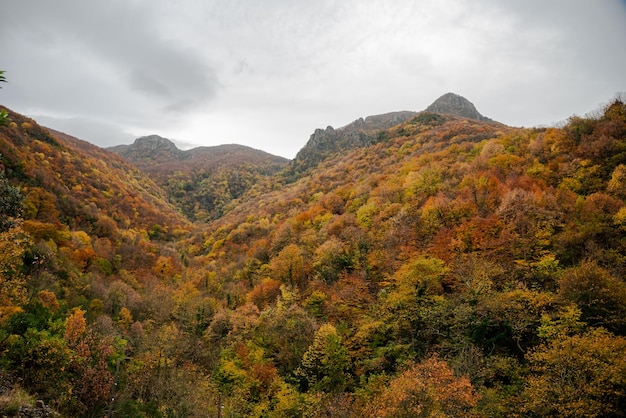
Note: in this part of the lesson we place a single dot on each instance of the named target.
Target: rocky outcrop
(151, 148)
(40, 410)
(360, 133)
(364, 132)
(455, 105)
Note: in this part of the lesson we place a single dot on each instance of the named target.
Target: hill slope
(364, 132)
(74, 182)
(454, 236)
(202, 181)
(456, 266)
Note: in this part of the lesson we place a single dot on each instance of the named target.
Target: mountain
(160, 157)
(362, 132)
(324, 143)
(69, 181)
(455, 266)
(455, 105)
(149, 150)
(202, 181)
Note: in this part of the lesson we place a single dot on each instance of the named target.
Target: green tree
(13, 246)
(10, 203)
(600, 296)
(325, 365)
(285, 332)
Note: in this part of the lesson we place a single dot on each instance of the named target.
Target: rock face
(455, 105)
(152, 148)
(40, 410)
(365, 132)
(360, 133)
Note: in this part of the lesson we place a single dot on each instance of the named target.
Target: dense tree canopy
(447, 267)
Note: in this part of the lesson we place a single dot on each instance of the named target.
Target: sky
(267, 73)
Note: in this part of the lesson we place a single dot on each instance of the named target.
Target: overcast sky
(267, 73)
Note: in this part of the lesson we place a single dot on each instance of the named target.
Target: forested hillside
(449, 267)
(204, 182)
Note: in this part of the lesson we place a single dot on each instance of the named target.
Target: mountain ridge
(202, 181)
(157, 149)
(108, 184)
(365, 132)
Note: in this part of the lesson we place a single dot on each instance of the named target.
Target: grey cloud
(97, 132)
(114, 35)
(145, 82)
(190, 69)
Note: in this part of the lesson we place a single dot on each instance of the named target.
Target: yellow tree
(13, 244)
(577, 376)
(426, 389)
(600, 296)
(289, 265)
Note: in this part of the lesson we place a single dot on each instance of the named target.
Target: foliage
(325, 365)
(436, 267)
(578, 376)
(427, 389)
(10, 203)
(13, 246)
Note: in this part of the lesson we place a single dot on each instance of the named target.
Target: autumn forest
(416, 265)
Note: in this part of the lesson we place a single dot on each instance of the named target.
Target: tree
(577, 376)
(90, 375)
(10, 203)
(264, 293)
(426, 389)
(289, 265)
(13, 246)
(528, 221)
(504, 318)
(285, 332)
(330, 259)
(325, 366)
(600, 296)
(414, 306)
(617, 184)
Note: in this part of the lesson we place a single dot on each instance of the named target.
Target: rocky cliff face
(151, 148)
(455, 105)
(360, 133)
(365, 132)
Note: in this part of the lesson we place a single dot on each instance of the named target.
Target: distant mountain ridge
(201, 181)
(365, 132)
(154, 149)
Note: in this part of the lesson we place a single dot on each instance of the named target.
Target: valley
(432, 263)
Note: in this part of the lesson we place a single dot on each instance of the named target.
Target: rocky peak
(366, 131)
(455, 105)
(149, 150)
(155, 142)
